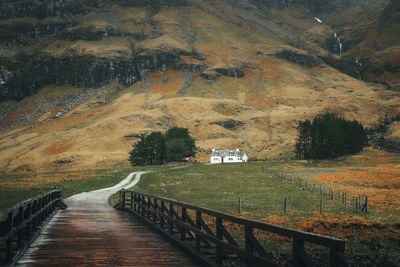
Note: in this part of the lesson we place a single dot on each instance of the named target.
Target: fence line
(360, 201)
(21, 224)
(212, 243)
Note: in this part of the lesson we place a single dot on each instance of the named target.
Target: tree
(329, 136)
(303, 145)
(150, 150)
(156, 148)
(179, 144)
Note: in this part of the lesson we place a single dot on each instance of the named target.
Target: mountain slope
(236, 73)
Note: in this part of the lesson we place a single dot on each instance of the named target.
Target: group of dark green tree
(158, 148)
(328, 136)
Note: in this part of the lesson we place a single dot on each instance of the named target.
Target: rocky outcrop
(25, 33)
(42, 8)
(297, 58)
(32, 72)
(154, 4)
(315, 6)
(230, 124)
(191, 67)
(232, 72)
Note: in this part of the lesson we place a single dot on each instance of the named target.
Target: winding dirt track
(91, 233)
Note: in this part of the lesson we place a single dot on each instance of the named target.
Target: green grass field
(99, 179)
(371, 241)
(15, 188)
(219, 187)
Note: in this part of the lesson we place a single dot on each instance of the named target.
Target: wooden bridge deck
(91, 233)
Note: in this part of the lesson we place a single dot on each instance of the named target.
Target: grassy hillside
(117, 70)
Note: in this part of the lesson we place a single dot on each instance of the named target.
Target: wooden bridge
(161, 232)
(87, 233)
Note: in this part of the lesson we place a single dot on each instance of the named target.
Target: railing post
(148, 206)
(28, 213)
(20, 233)
(135, 208)
(218, 234)
(132, 200)
(9, 242)
(155, 207)
(336, 258)
(144, 211)
(183, 230)
(248, 245)
(162, 211)
(123, 198)
(298, 248)
(171, 214)
(198, 225)
(137, 196)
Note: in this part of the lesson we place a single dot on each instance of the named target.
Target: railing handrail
(22, 223)
(26, 202)
(326, 241)
(212, 243)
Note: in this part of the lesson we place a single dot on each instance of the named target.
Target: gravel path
(98, 199)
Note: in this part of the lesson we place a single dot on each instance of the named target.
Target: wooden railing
(203, 233)
(21, 224)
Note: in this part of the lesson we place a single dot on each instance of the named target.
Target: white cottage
(227, 156)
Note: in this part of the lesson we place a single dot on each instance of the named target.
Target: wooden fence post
(320, 205)
(284, 205)
(356, 198)
(239, 205)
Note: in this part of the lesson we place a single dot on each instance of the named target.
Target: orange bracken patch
(358, 228)
(270, 68)
(380, 183)
(259, 100)
(168, 83)
(58, 148)
(275, 219)
(35, 181)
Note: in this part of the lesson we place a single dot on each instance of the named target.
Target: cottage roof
(225, 153)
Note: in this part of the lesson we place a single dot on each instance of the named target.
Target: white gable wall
(215, 160)
(227, 156)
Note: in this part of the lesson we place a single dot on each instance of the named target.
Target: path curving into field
(91, 233)
(98, 199)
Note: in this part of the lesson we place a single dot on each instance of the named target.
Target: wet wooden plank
(101, 236)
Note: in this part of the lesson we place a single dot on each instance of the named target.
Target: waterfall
(317, 19)
(340, 44)
(357, 69)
